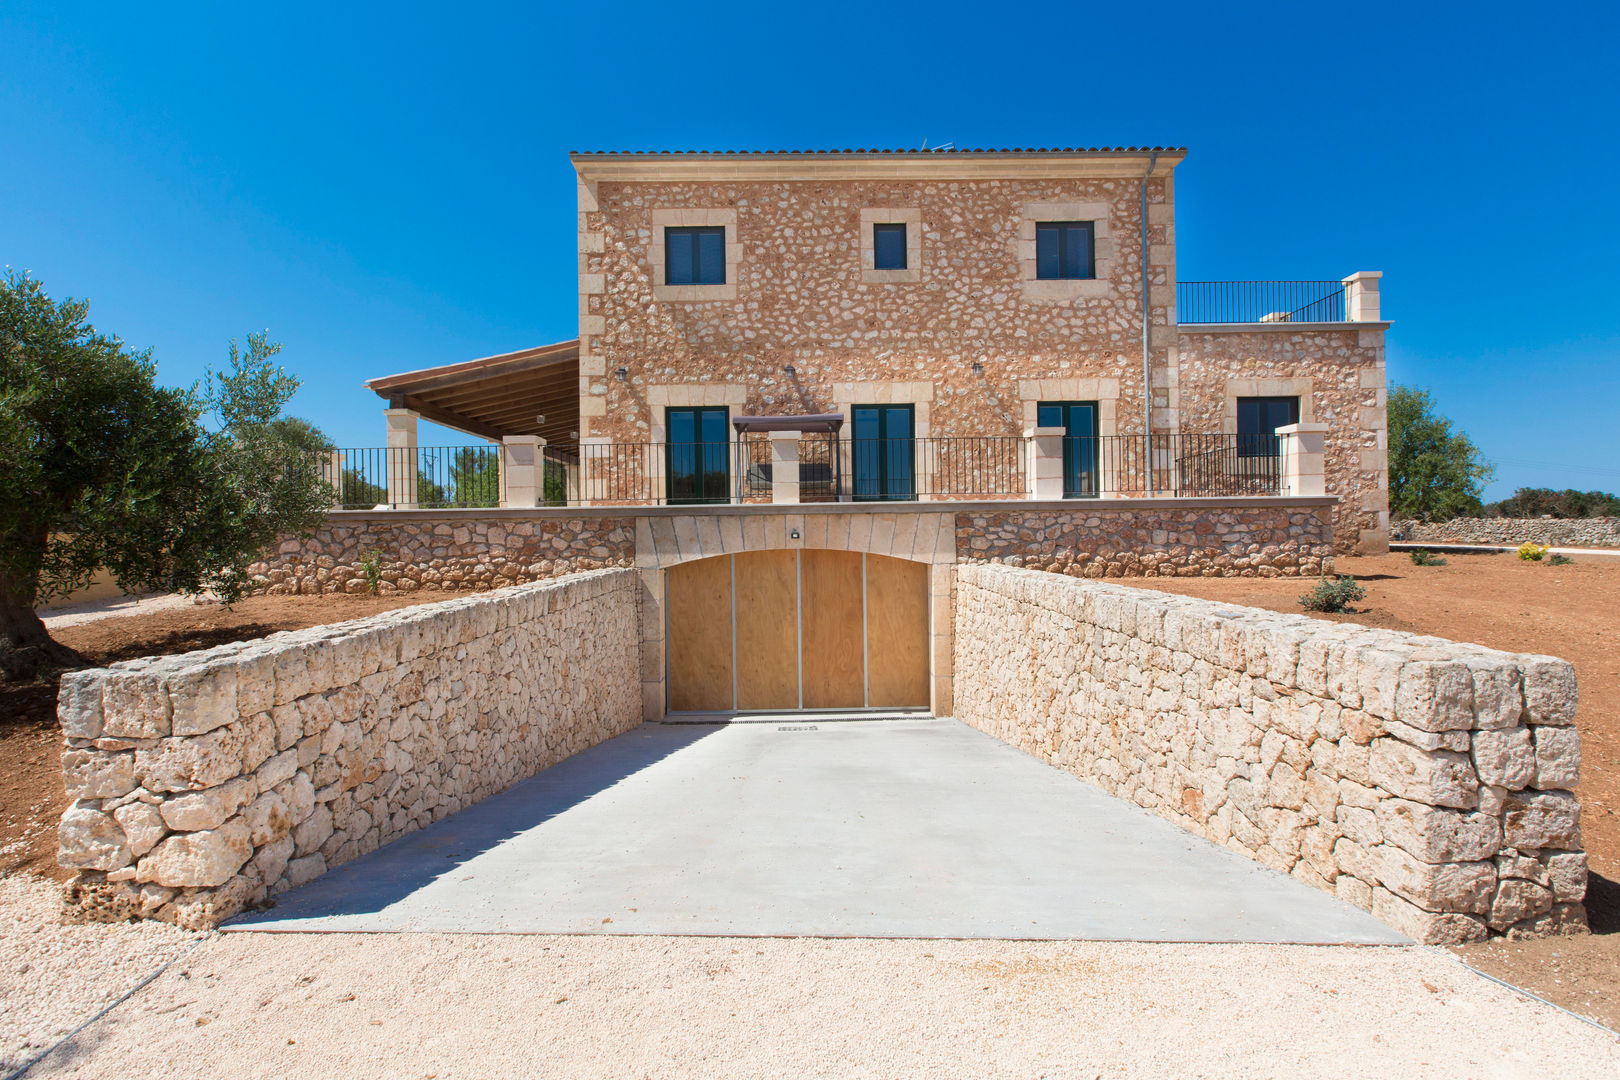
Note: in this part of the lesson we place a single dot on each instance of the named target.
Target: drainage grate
(798, 727)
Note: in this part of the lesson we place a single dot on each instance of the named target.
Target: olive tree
(176, 489)
(1435, 473)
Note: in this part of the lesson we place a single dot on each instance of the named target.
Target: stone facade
(1338, 374)
(1556, 532)
(1212, 541)
(426, 550)
(1426, 781)
(210, 781)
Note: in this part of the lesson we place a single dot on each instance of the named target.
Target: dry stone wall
(1100, 541)
(1426, 781)
(1558, 532)
(206, 782)
(485, 550)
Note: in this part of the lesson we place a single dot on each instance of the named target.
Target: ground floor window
(884, 453)
(1078, 419)
(1258, 419)
(698, 453)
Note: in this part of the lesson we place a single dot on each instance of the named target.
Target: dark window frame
(887, 456)
(692, 271)
(1063, 235)
(700, 454)
(1080, 452)
(890, 229)
(1257, 423)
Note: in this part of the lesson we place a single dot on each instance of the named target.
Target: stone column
(784, 466)
(1302, 446)
(1045, 480)
(522, 470)
(594, 453)
(401, 457)
(1361, 296)
(332, 473)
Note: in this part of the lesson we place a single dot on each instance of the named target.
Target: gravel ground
(78, 614)
(55, 976)
(450, 1006)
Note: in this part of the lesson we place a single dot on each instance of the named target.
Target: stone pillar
(1361, 296)
(1045, 481)
(401, 457)
(594, 456)
(1303, 471)
(784, 466)
(522, 470)
(332, 473)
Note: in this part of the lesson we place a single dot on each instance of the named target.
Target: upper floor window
(889, 246)
(1258, 419)
(1065, 250)
(695, 255)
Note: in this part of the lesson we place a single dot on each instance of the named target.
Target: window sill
(694, 293)
(891, 277)
(1067, 289)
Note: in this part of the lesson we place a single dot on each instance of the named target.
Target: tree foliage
(103, 467)
(1545, 502)
(1435, 473)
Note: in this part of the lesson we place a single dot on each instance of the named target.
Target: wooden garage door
(778, 630)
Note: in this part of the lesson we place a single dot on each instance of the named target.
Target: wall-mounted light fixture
(541, 419)
(793, 535)
(790, 371)
(978, 368)
(622, 374)
(574, 435)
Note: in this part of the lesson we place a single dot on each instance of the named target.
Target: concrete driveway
(896, 828)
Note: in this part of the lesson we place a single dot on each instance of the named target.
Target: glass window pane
(1049, 416)
(889, 247)
(1046, 251)
(681, 425)
(677, 257)
(1248, 416)
(866, 423)
(711, 268)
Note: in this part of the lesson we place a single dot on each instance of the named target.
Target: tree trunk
(26, 649)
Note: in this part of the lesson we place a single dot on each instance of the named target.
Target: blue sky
(387, 187)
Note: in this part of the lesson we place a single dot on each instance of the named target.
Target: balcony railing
(1262, 301)
(829, 469)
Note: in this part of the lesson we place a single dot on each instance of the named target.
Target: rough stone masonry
(206, 782)
(1426, 781)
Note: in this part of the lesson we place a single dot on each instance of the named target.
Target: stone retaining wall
(1222, 541)
(209, 781)
(1558, 532)
(1426, 781)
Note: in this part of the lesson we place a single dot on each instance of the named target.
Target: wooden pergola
(497, 396)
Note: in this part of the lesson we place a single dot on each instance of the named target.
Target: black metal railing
(993, 467)
(1260, 301)
(430, 477)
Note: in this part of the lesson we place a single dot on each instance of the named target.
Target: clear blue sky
(388, 189)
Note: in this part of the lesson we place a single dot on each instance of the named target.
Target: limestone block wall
(206, 782)
(1217, 540)
(426, 550)
(1558, 532)
(1426, 781)
(1338, 374)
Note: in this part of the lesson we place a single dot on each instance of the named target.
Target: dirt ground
(31, 797)
(1507, 603)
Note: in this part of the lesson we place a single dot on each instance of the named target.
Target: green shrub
(1556, 559)
(1420, 557)
(1335, 595)
(371, 566)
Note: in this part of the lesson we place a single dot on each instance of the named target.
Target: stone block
(303, 871)
(1435, 695)
(271, 859)
(198, 859)
(78, 704)
(134, 706)
(1427, 927)
(143, 826)
(1566, 872)
(209, 808)
(192, 763)
(88, 839)
(98, 774)
(1549, 690)
(1504, 757)
(1452, 886)
(202, 698)
(1558, 758)
(1436, 835)
(1533, 820)
(313, 831)
(1498, 693)
(268, 819)
(1516, 900)
(1434, 777)
(277, 769)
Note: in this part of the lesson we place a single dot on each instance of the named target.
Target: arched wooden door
(797, 629)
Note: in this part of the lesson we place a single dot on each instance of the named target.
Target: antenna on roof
(941, 147)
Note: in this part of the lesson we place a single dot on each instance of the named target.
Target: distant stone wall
(424, 550)
(206, 782)
(1426, 781)
(1558, 532)
(1166, 541)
